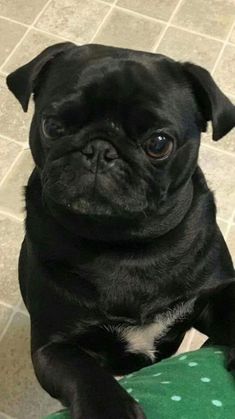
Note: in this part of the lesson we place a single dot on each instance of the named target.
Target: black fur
(116, 239)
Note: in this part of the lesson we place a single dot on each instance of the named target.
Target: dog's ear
(213, 104)
(22, 81)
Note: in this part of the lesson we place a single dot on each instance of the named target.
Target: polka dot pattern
(205, 379)
(176, 398)
(192, 364)
(188, 382)
(217, 403)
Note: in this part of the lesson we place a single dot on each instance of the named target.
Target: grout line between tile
(229, 94)
(222, 49)
(14, 307)
(41, 12)
(222, 219)
(6, 304)
(11, 216)
(204, 35)
(15, 310)
(104, 20)
(232, 44)
(24, 36)
(230, 224)
(5, 416)
(217, 150)
(11, 167)
(15, 48)
(61, 38)
(25, 313)
(167, 25)
(12, 140)
(137, 14)
(14, 21)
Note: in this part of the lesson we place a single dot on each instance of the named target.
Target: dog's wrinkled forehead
(85, 66)
(129, 89)
(114, 77)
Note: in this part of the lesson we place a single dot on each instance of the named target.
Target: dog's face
(116, 132)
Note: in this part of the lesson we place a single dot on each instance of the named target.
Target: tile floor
(199, 30)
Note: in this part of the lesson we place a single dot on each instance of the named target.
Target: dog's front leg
(67, 373)
(217, 320)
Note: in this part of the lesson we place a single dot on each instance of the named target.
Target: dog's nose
(99, 155)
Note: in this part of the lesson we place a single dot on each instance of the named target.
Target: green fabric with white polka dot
(194, 385)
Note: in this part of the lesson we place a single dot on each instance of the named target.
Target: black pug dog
(122, 253)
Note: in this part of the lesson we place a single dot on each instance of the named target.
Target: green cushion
(191, 385)
(62, 414)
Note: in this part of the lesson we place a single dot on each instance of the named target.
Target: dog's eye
(52, 128)
(159, 146)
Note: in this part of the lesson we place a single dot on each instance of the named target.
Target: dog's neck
(169, 216)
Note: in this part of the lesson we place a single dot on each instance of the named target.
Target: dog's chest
(144, 339)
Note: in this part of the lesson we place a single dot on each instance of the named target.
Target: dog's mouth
(84, 206)
(95, 196)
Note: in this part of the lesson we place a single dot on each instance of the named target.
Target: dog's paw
(109, 408)
(139, 414)
(231, 360)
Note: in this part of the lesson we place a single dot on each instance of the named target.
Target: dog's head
(116, 132)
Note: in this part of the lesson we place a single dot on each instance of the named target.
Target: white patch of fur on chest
(141, 339)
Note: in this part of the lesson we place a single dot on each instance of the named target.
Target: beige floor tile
(77, 20)
(231, 242)
(23, 11)
(122, 29)
(226, 143)
(212, 17)
(154, 8)
(223, 226)
(14, 33)
(5, 313)
(14, 123)
(219, 169)
(184, 345)
(232, 37)
(225, 71)
(12, 189)
(8, 153)
(197, 341)
(2, 416)
(184, 46)
(11, 234)
(23, 308)
(20, 394)
(34, 42)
